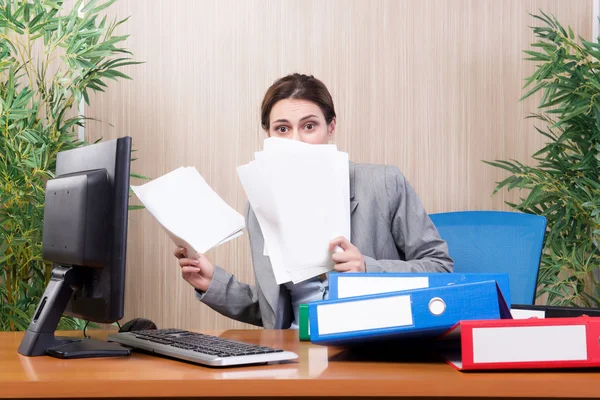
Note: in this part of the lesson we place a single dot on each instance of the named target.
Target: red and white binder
(525, 343)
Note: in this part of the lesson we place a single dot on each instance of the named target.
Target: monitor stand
(39, 338)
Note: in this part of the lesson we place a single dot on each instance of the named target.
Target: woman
(390, 230)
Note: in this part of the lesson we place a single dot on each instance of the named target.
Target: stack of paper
(192, 213)
(300, 194)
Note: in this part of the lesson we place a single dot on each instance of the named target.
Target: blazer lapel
(353, 202)
(266, 280)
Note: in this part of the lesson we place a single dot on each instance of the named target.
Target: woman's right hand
(197, 272)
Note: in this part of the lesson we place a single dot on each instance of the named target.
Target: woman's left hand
(350, 260)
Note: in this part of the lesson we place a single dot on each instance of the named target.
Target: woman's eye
(281, 129)
(310, 127)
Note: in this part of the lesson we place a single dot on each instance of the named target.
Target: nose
(295, 135)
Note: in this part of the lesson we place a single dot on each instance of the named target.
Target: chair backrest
(496, 241)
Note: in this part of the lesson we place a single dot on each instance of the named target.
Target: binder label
(529, 343)
(361, 315)
(352, 286)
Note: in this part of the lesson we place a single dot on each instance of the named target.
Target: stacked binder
(376, 306)
(531, 343)
(464, 316)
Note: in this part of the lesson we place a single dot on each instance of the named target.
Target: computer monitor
(85, 237)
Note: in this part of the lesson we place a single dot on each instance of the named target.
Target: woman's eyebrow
(301, 119)
(308, 116)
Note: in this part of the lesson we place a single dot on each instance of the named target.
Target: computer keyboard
(200, 348)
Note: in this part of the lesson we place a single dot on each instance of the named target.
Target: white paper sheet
(300, 194)
(191, 212)
(313, 201)
(274, 144)
(260, 196)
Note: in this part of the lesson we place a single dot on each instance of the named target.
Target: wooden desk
(319, 371)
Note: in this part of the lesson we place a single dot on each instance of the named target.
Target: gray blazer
(388, 225)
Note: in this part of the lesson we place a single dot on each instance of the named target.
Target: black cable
(86, 324)
(119, 325)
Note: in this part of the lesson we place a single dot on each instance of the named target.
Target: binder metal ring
(437, 306)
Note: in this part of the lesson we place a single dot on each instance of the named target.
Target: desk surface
(319, 371)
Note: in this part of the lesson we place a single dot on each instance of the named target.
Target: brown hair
(301, 87)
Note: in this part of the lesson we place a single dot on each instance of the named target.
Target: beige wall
(430, 86)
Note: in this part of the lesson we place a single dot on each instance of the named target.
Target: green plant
(51, 56)
(564, 186)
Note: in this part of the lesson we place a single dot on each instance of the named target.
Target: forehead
(294, 109)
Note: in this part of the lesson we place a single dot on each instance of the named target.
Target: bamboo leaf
(36, 108)
(134, 175)
(564, 184)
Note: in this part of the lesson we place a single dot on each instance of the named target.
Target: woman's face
(300, 120)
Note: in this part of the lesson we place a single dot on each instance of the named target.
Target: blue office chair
(496, 241)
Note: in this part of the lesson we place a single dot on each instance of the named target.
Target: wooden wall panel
(428, 85)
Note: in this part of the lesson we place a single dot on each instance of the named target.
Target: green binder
(303, 326)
